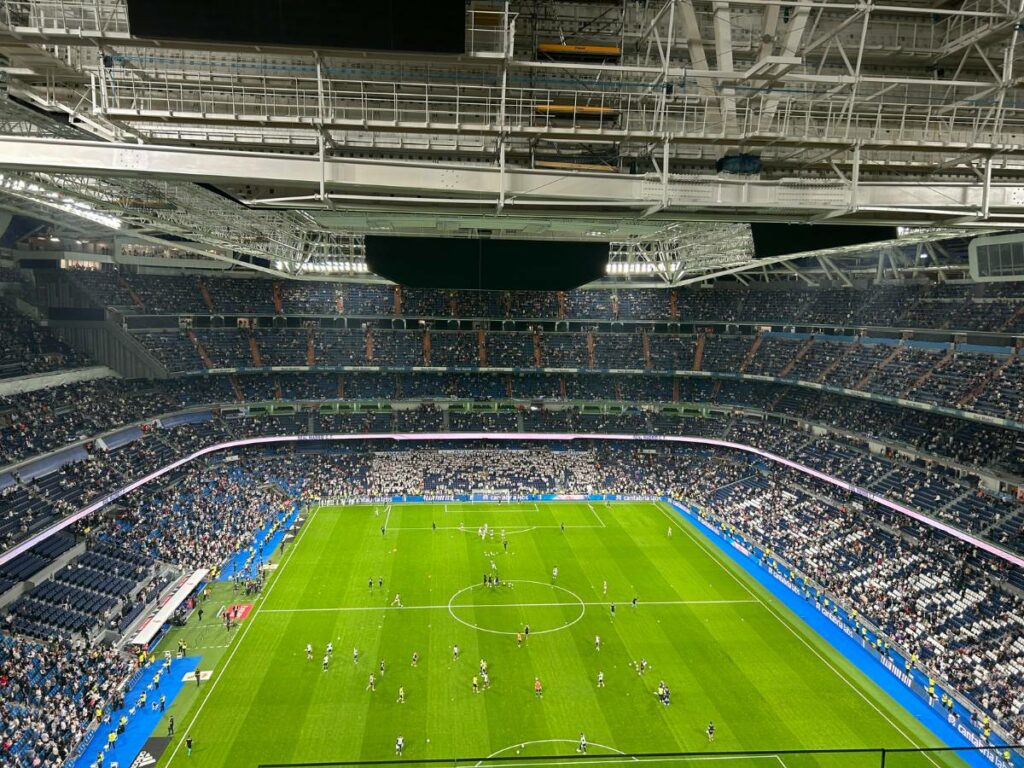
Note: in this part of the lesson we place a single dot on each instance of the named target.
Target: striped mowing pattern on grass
(729, 652)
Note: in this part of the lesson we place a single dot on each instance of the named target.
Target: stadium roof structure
(661, 127)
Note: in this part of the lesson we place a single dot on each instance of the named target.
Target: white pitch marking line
(241, 637)
(608, 759)
(478, 628)
(597, 515)
(508, 529)
(600, 760)
(673, 516)
(549, 741)
(387, 517)
(364, 608)
(500, 509)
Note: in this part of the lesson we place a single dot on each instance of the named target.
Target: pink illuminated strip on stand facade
(511, 437)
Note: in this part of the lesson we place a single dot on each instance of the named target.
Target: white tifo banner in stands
(166, 607)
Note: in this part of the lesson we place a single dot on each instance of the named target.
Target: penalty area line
(603, 760)
(509, 529)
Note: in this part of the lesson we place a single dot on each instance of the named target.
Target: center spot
(506, 609)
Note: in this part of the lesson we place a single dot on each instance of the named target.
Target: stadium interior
(267, 264)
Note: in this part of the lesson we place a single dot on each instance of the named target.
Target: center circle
(506, 609)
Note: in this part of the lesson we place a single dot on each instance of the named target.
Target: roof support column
(852, 99)
(695, 45)
(508, 26)
(723, 56)
(790, 45)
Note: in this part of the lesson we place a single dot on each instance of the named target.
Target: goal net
(490, 494)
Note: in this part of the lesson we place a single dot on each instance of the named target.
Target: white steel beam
(769, 28)
(722, 24)
(695, 45)
(790, 47)
(474, 185)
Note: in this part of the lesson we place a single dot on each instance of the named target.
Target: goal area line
(490, 506)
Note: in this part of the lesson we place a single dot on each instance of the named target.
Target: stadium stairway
(1011, 321)
(972, 394)
(254, 350)
(236, 387)
(756, 345)
(205, 293)
(796, 358)
(939, 364)
(836, 363)
(872, 372)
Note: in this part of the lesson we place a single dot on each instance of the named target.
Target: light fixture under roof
(27, 190)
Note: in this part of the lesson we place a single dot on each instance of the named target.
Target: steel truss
(798, 83)
(855, 110)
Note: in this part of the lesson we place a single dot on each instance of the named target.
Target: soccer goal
(490, 494)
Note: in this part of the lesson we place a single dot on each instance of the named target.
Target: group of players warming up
(481, 681)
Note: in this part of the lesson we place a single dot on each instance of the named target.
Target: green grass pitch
(729, 652)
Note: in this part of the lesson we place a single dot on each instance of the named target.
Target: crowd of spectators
(27, 348)
(76, 414)
(911, 305)
(48, 695)
(36, 422)
(200, 519)
(988, 381)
